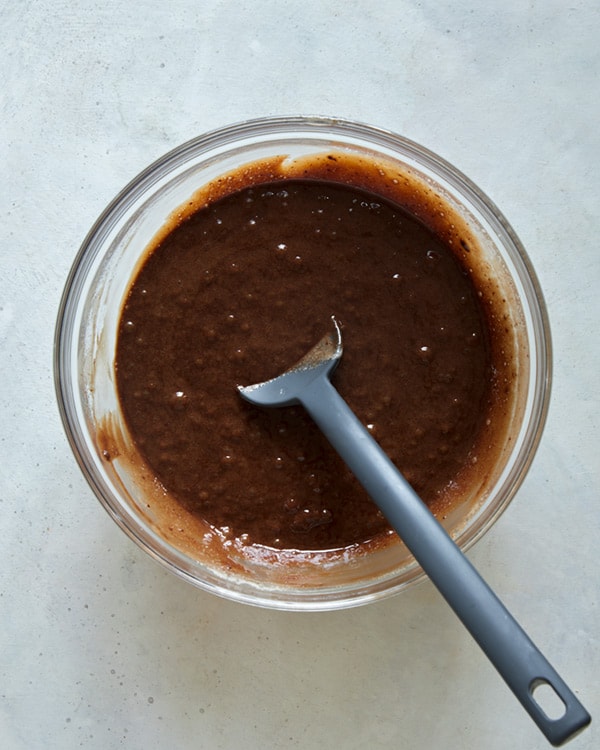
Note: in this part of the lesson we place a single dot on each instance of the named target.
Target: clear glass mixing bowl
(85, 347)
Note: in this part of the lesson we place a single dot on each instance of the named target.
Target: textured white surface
(101, 648)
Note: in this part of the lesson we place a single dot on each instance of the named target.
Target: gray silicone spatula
(502, 639)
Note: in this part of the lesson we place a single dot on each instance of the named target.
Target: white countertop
(102, 648)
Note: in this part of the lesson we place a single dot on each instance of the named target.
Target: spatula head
(285, 389)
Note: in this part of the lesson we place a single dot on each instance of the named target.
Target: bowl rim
(224, 137)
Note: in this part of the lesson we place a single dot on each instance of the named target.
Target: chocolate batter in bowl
(256, 234)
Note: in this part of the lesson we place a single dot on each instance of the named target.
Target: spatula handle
(506, 644)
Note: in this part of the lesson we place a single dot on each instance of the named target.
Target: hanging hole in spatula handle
(548, 700)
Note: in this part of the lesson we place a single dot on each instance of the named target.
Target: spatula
(502, 639)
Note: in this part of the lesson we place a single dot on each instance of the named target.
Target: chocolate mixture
(236, 294)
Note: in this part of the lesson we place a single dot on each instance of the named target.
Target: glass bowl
(85, 350)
